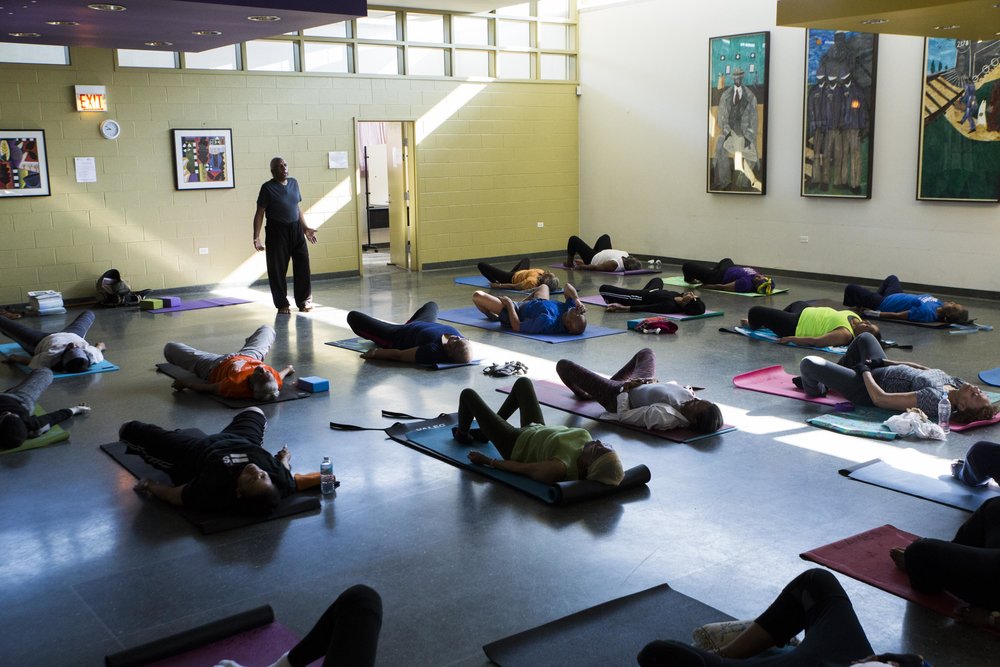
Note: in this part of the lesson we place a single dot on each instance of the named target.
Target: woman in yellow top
(521, 277)
(803, 324)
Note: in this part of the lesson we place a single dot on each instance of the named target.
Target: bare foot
(896, 554)
(744, 323)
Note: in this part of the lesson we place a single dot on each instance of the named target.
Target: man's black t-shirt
(223, 457)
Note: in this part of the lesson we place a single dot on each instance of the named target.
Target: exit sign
(91, 98)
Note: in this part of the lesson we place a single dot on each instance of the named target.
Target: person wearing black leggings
(346, 633)
(602, 257)
(815, 602)
(652, 298)
(421, 340)
(521, 277)
(968, 566)
(727, 276)
(66, 351)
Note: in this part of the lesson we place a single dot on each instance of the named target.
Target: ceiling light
(103, 7)
(71, 23)
(947, 27)
(24, 34)
(874, 21)
(159, 43)
(264, 18)
(206, 33)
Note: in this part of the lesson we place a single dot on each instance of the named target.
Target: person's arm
(407, 356)
(306, 481)
(258, 222)
(886, 315)
(203, 387)
(508, 304)
(17, 359)
(622, 308)
(725, 287)
(505, 286)
(570, 294)
(881, 399)
(286, 371)
(546, 472)
(165, 492)
(839, 336)
(310, 233)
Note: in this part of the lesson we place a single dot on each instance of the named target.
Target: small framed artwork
(24, 167)
(838, 122)
(737, 113)
(203, 159)
(959, 156)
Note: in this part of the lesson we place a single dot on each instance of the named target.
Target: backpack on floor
(112, 291)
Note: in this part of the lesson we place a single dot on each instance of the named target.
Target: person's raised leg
(588, 385)
(81, 325)
(522, 264)
(488, 305)
(190, 359)
(890, 285)
(28, 390)
(522, 399)
(780, 322)
(641, 365)
(982, 462)
(425, 313)
(173, 452)
(982, 529)
(347, 632)
(577, 246)
(24, 336)
(259, 343)
(277, 254)
(603, 243)
(494, 427)
(864, 348)
(301, 273)
(249, 423)
(971, 573)
(819, 375)
(856, 296)
(378, 331)
(495, 275)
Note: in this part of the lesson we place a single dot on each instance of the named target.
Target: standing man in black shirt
(278, 202)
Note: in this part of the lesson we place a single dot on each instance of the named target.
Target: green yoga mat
(863, 421)
(50, 437)
(680, 282)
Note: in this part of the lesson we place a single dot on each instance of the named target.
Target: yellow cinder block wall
(492, 160)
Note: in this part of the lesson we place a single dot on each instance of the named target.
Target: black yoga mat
(433, 437)
(611, 633)
(208, 522)
(289, 392)
(196, 640)
(942, 488)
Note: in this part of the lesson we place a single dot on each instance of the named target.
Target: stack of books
(45, 302)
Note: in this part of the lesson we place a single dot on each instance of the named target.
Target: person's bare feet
(744, 322)
(896, 554)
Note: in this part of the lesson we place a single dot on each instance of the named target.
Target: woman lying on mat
(546, 454)
(634, 396)
(521, 277)
(602, 257)
(727, 276)
(815, 602)
(346, 633)
(536, 313)
(65, 351)
(890, 302)
(421, 340)
(968, 567)
(650, 299)
(803, 324)
(17, 423)
(865, 376)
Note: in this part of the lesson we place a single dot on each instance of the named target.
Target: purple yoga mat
(633, 272)
(561, 398)
(197, 304)
(865, 557)
(774, 380)
(260, 646)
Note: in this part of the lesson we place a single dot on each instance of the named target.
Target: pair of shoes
(654, 263)
(506, 370)
(285, 311)
(307, 307)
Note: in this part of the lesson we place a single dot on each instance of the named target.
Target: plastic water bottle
(326, 476)
(944, 413)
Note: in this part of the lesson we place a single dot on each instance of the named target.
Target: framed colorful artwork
(959, 158)
(737, 113)
(203, 159)
(838, 123)
(24, 166)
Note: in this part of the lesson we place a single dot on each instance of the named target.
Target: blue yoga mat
(360, 344)
(769, 336)
(8, 349)
(991, 377)
(481, 281)
(471, 316)
(943, 488)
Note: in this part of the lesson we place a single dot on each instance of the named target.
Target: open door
(399, 237)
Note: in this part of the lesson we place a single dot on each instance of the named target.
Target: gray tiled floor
(88, 567)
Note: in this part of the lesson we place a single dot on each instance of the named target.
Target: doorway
(386, 211)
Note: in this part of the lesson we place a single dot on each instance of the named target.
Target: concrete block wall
(489, 168)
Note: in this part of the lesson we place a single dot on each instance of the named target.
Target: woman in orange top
(521, 277)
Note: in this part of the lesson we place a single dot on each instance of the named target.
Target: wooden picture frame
(737, 110)
(203, 159)
(24, 165)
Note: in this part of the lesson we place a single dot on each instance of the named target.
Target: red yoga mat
(865, 557)
(774, 380)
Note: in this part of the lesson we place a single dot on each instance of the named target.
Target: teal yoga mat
(8, 349)
(680, 282)
(483, 283)
(769, 336)
(50, 437)
(433, 437)
(862, 421)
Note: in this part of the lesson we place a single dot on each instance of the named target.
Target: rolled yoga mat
(289, 392)
(611, 633)
(208, 522)
(359, 344)
(865, 557)
(198, 304)
(8, 349)
(471, 316)
(433, 437)
(939, 486)
(561, 398)
(482, 283)
(250, 637)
